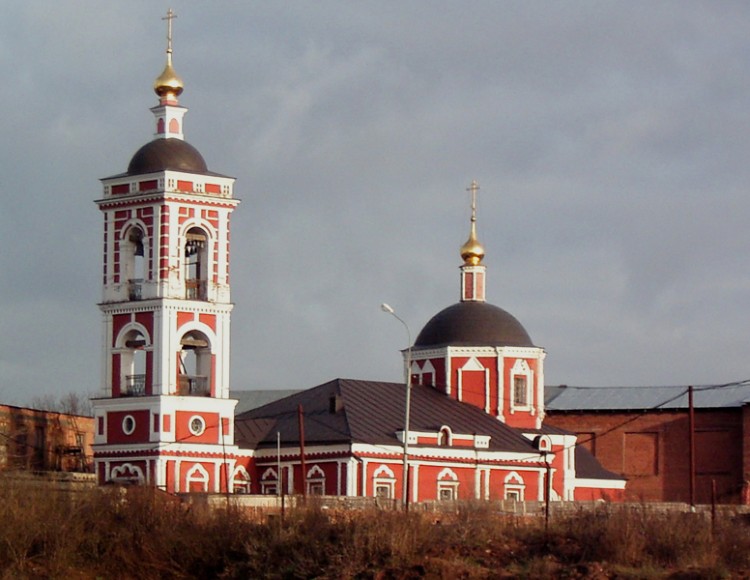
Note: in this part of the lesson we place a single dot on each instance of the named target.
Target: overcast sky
(610, 141)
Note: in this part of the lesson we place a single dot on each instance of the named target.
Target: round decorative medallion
(197, 425)
(128, 424)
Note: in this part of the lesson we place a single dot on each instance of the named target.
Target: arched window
(269, 482)
(521, 382)
(384, 482)
(240, 480)
(316, 481)
(197, 479)
(445, 437)
(133, 363)
(133, 258)
(196, 264)
(195, 365)
(514, 488)
(447, 485)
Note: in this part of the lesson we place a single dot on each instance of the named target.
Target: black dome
(161, 154)
(473, 324)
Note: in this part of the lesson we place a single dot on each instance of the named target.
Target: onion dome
(473, 324)
(472, 251)
(168, 85)
(164, 154)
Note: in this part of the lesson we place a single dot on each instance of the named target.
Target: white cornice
(599, 483)
(198, 306)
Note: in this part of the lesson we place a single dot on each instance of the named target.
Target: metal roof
(370, 412)
(248, 400)
(573, 398)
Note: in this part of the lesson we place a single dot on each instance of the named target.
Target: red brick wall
(652, 450)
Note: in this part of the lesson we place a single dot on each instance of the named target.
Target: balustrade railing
(135, 386)
(196, 289)
(135, 289)
(195, 386)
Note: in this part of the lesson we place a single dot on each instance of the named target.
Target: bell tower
(164, 416)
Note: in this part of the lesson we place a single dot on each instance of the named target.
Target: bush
(140, 532)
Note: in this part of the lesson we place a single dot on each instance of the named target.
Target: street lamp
(407, 370)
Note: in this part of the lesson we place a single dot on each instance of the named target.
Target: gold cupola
(168, 85)
(472, 251)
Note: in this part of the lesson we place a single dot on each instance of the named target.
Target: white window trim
(514, 485)
(197, 432)
(197, 474)
(269, 480)
(315, 477)
(521, 369)
(241, 479)
(447, 480)
(128, 419)
(385, 477)
(134, 473)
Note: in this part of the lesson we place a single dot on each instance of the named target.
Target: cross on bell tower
(164, 416)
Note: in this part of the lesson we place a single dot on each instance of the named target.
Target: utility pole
(691, 426)
(301, 419)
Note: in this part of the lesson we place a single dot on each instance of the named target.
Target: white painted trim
(584, 483)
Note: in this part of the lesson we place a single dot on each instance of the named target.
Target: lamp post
(407, 370)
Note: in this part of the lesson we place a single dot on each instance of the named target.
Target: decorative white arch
(521, 382)
(384, 482)
(133, 371)
(447, 474)
(385, 472)
(269, 474)
(122, 234)
(269, 482)
(200, 224)
(316, 481)
(447, 485)
(127, 473)
(445, 436)
(127, 329)
(240, 480)
(514, 487)
(199, 476)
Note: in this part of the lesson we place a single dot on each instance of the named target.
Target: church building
(474, 428)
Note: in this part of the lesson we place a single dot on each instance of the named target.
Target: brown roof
(370, 412)
(473, 324)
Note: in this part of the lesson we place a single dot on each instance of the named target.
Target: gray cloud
(609, 139)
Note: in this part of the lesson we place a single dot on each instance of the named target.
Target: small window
(196, 272)
(128, 424)
(383, 491)
(269, 489)
(520, 394)
(197, 425)
(315, 488)
(447, 492)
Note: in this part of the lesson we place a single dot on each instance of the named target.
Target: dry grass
(108, 533)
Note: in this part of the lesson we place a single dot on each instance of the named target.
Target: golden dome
(168, 84)
(472, 251)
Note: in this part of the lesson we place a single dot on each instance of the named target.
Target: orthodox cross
(169, 17)
(473, 188)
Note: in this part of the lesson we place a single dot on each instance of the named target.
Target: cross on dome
(472, 251)
(169, 85)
